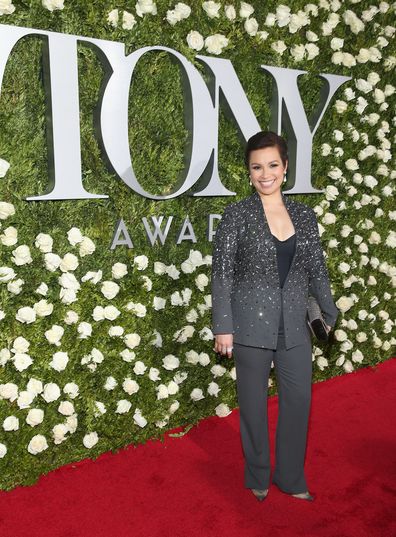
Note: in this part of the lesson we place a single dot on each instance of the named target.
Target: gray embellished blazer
(246, 292)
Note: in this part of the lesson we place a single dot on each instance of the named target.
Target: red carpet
(193, 486)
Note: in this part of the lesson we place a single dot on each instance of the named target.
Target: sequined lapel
(267, 238)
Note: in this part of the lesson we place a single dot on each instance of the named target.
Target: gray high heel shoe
(301, 495)
(304, 496)
(260, 494)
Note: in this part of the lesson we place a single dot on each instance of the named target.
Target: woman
(267, 258)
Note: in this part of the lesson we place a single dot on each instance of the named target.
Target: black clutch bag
(315, 320)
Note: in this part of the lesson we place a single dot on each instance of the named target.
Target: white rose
(85, 330)
(116, 331)
(34, 386)
(26, 315)
(123, 406)
(270, 19)
(311, 36)
(245, 10)
(51, 392)
(3, 447)
(197, 394)
(145, 7)
(127, 355)
(170, 362)
(42, 289)
(20, 344)
(35, 417)
(21, 255)
(43, 308)
(6, 210)
(172, 387)
(11, 423)
(298, 52)
(22, 361)
(336, 43)
(139, 368)
(52, 261)
(119, 270)
(4, 165)
(71, 317)
(312, 50)
(71, 389)
(211, 8)
(128, 20)
(92, 276)
(159, 268)
(59, 361)
(54, 334)
(215, 43)
(138, 309)
(213, 389)
(139, 419)
(352, 164)
(130, 386)
(53, 5)
(25, 399)
(9, 237)
(100, 409)
(69, 281)
(111, 313)
(162, 391)
(66, 408)
(173, 16)
(74, 236)
(147, 283)
(110, 289)
(90, 439)
(132, 340)
(222, 410)
(87, 247)
(15, 287)
(9, 391)
(159, 303)
(204, 360)
(141, 262)
(110, 383)
(44, 242)
(59, 432)
(195, 40)
(6, 274)
(279, 47)
(183, 10)
(112, 18)
(230, 12)
(154, 374)
(69, 262)
(98, 313)
(5, 356)
(37, 444)
(251, 26)
(340, 106)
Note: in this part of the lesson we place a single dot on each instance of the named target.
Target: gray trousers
(293, 369)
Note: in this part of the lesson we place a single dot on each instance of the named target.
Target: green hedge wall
(72, 413)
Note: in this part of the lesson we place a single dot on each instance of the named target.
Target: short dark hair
(266, 139)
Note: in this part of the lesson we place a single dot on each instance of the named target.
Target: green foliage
(158, 139)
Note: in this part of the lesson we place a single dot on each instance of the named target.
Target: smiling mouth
(267, 183)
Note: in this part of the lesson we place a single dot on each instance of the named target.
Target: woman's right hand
(223, 344)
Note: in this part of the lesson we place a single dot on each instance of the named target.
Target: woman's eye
(274, 165)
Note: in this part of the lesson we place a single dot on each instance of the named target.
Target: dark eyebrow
(253, 163)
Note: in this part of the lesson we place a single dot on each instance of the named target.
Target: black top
(284, 253)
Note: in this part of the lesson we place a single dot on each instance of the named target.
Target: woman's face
(266, 169)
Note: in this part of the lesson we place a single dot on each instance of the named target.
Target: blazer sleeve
(319, 283)
(225, 245)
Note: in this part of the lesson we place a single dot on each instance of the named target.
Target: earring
(250, 182)
(284, 178)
